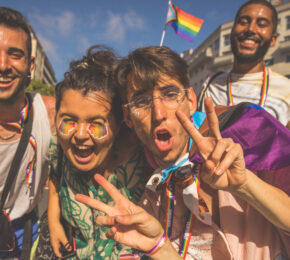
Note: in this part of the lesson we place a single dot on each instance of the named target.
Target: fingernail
(218, 171)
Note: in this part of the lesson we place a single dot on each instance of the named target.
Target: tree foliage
(38, 86)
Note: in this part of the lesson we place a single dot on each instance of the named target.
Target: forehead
(13, 38)
(256, 11)
(162, 81)
(93, 104)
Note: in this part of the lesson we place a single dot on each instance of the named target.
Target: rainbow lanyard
(30, 169)
(264, 89)
(168, 219)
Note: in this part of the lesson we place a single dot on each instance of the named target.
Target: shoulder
(49, 103)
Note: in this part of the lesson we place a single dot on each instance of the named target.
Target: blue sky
(66, 28)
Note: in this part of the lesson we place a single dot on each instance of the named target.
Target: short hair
(265, 3)
(144, 66)
(14, 19)
(94, 72)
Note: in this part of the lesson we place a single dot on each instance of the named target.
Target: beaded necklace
(264, 89)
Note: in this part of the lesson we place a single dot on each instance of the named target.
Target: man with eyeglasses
(220, 192)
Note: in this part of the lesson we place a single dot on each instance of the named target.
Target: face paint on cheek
(66, 127)
(136, 113)
(98, 131)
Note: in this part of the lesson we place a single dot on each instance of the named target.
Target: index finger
(189, 127)
(109, 187)
(212, 118)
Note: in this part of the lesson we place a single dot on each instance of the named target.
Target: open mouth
(83, 154)
(163, 139)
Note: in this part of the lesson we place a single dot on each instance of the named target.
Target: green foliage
(37, 86)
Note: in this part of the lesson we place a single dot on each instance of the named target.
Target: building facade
(43, 70)
(215, 54)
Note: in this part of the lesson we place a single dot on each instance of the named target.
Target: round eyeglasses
(171, 98)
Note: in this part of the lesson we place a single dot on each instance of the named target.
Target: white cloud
(49, 48)
(119, 24)
(115, 29)
(133, 21)
(63, 24)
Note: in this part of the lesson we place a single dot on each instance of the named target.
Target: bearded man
(254, 31)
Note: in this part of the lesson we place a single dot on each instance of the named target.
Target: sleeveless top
(19, 200)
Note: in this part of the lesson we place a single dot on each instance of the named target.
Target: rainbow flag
(185, 25)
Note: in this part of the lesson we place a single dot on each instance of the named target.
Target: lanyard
(264, 89)
(30, 169)
(168, 219)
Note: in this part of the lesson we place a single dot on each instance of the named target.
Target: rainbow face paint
(98, 131)
(66, 127)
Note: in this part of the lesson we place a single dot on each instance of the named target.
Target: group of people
(139, 167)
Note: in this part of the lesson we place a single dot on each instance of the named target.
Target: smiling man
(24, 193)
(206, 189)
(254, 31)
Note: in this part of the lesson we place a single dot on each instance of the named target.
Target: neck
(244, 68)
(10, 110)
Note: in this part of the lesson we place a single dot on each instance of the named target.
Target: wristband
(157, 246)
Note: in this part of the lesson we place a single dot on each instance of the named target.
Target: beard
(249, 58)
(22, 84)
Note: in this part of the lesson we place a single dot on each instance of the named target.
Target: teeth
(5, 79)
(82, 147)
(249, 41)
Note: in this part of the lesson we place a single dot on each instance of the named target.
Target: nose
(158, 109)
(82, 133)
(4, 62)
(252, 27)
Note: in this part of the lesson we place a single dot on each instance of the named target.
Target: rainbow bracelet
(158, 245)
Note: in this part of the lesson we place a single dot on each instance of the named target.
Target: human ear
(127, 117)
(273, 39)
(32, 59)
(192, 100)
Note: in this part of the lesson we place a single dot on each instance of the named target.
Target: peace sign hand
(129, 224)
(224, 164)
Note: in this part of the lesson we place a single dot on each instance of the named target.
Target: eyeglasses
(171, 98)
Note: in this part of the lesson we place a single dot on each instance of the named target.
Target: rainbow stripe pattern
(66, 127)
(185, 25)
(264, 89)
(98, 131)
(30, 169)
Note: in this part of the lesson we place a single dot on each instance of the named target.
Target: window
(216, 45)
(288, 58)
(288, 23)
(227, 40)
(287, 38)
(287, 76)
(269, 62)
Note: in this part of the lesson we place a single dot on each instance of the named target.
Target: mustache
(10, 74)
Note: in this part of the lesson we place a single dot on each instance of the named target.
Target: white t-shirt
(247, 88)
(18, 201)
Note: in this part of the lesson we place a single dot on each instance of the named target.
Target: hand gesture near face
(224, 164)
(129, 224)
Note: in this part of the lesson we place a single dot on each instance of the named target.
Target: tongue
(84, 153)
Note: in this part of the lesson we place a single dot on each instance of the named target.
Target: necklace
(264, 89)
(5, 138)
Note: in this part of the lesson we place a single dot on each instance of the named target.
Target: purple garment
(265, 142)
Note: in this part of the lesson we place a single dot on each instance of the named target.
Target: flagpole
(164, 29)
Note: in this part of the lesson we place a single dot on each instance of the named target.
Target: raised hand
(224, 164)
(129, 224)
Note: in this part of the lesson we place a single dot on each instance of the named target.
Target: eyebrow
(88, 119)
(14, 49)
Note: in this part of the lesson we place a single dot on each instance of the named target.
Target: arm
(56, 231)
(224, 168)
(276, 209)
(129, 224)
